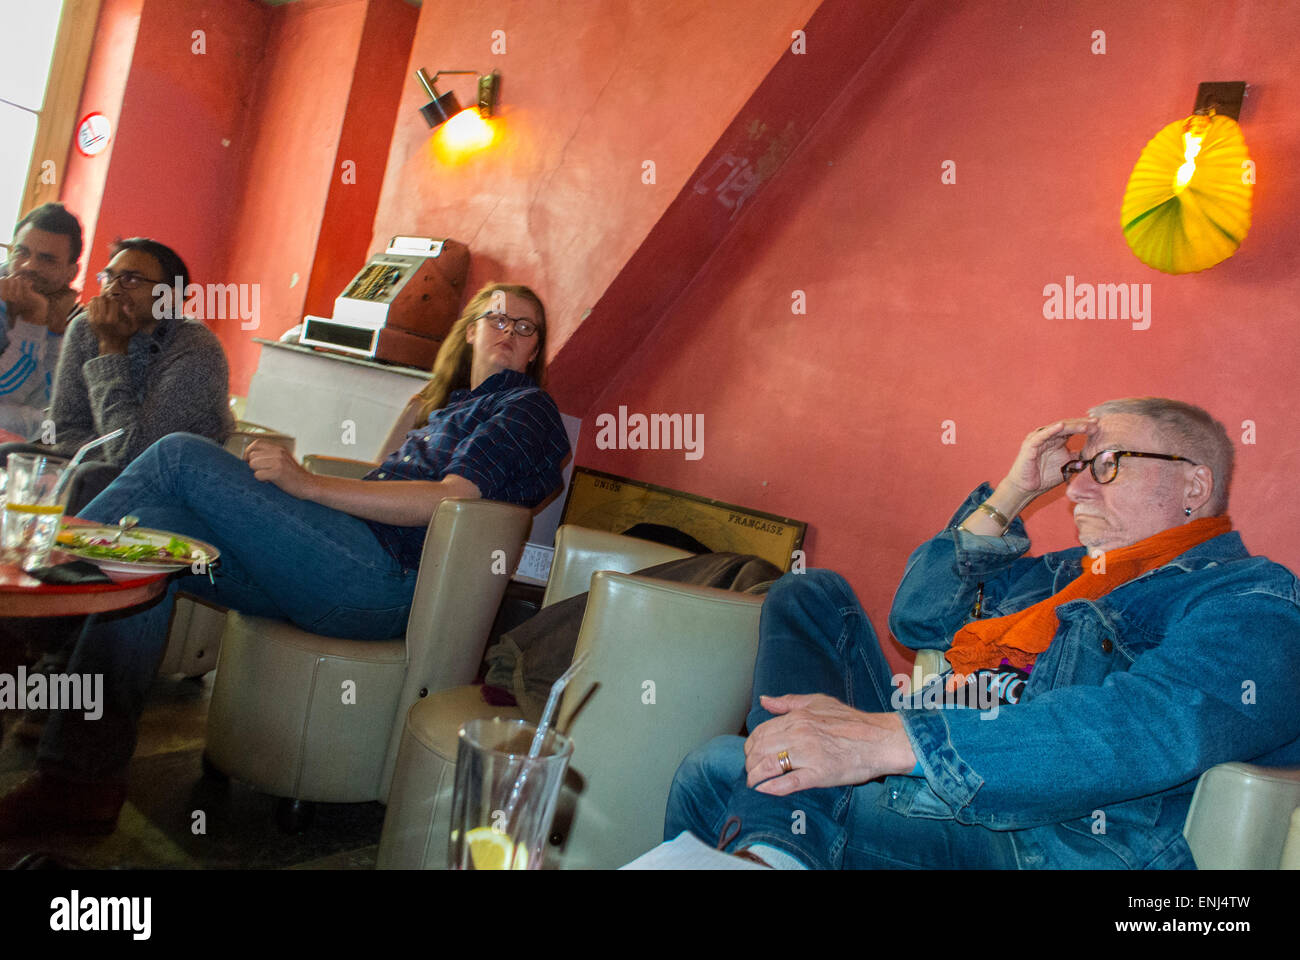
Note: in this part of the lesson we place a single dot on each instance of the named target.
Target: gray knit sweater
(174, 379)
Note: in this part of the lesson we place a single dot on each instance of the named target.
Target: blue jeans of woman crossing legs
(815, 638)
(280, 557)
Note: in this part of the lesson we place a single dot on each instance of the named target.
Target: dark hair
(170, 261)
(56, 218)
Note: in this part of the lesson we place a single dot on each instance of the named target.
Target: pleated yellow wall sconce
(1187, 205)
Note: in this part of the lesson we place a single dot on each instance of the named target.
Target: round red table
(25, 596)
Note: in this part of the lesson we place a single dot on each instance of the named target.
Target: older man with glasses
(1103, 679)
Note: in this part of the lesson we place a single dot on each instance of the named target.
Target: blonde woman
(452, 367)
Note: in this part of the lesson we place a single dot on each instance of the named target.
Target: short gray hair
(1194, 434)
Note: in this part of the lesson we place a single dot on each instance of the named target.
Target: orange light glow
(463, 135)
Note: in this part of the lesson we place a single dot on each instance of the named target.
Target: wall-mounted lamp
(460, 133)
(443, 107)
(1187, 204)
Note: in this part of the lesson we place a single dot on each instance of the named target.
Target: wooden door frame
(56, 123)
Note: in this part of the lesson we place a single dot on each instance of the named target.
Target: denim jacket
(1189, 665)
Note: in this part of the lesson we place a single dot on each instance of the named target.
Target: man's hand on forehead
(1060, 435)
(1088, 429)
(1037, 467)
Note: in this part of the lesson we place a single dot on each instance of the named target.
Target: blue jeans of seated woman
(815, 638)
(281, 557)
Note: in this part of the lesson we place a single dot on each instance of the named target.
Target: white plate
(119, 570)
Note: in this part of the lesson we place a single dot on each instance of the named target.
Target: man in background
(36, 303)
(133, 361)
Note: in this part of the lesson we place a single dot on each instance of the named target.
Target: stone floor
(175, 818)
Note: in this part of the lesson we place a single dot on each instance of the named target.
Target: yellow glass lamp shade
(1187, 205)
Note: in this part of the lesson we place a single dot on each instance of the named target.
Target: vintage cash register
(399, 307)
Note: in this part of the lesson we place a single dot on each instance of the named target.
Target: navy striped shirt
(506, 437)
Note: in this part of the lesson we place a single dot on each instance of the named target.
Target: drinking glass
(33, 509)
(504, 801)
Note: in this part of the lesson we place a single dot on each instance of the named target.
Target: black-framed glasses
(524, 328)
(1105, 465)
(127, 279)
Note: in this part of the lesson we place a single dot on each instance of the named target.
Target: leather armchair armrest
(580, 552)
(337, 466)
(928, 663)
(1240, 816)
(245, 433)
(670, 666)
(469, 552)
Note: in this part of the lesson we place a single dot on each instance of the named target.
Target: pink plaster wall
(591, 90)
(290, 147)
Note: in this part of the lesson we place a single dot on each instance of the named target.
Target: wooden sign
(603, 501)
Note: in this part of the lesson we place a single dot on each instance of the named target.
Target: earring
(1187, 511)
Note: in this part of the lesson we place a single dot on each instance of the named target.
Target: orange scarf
(1019, 637)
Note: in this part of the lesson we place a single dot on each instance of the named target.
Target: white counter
(333, 405)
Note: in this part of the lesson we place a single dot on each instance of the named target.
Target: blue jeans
(815, 638)
(281, 557)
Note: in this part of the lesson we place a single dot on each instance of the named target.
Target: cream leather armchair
(278, 718)
(670, 666)
(1242, 817)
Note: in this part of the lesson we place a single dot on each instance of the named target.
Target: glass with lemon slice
(504, 800)
(33, 508)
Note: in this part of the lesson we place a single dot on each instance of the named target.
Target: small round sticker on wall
(93, 133)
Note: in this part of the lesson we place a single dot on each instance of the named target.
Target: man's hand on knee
(816, 741)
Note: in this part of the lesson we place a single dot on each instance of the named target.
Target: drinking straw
(81, 455)
(553, 701)
(535, 748)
